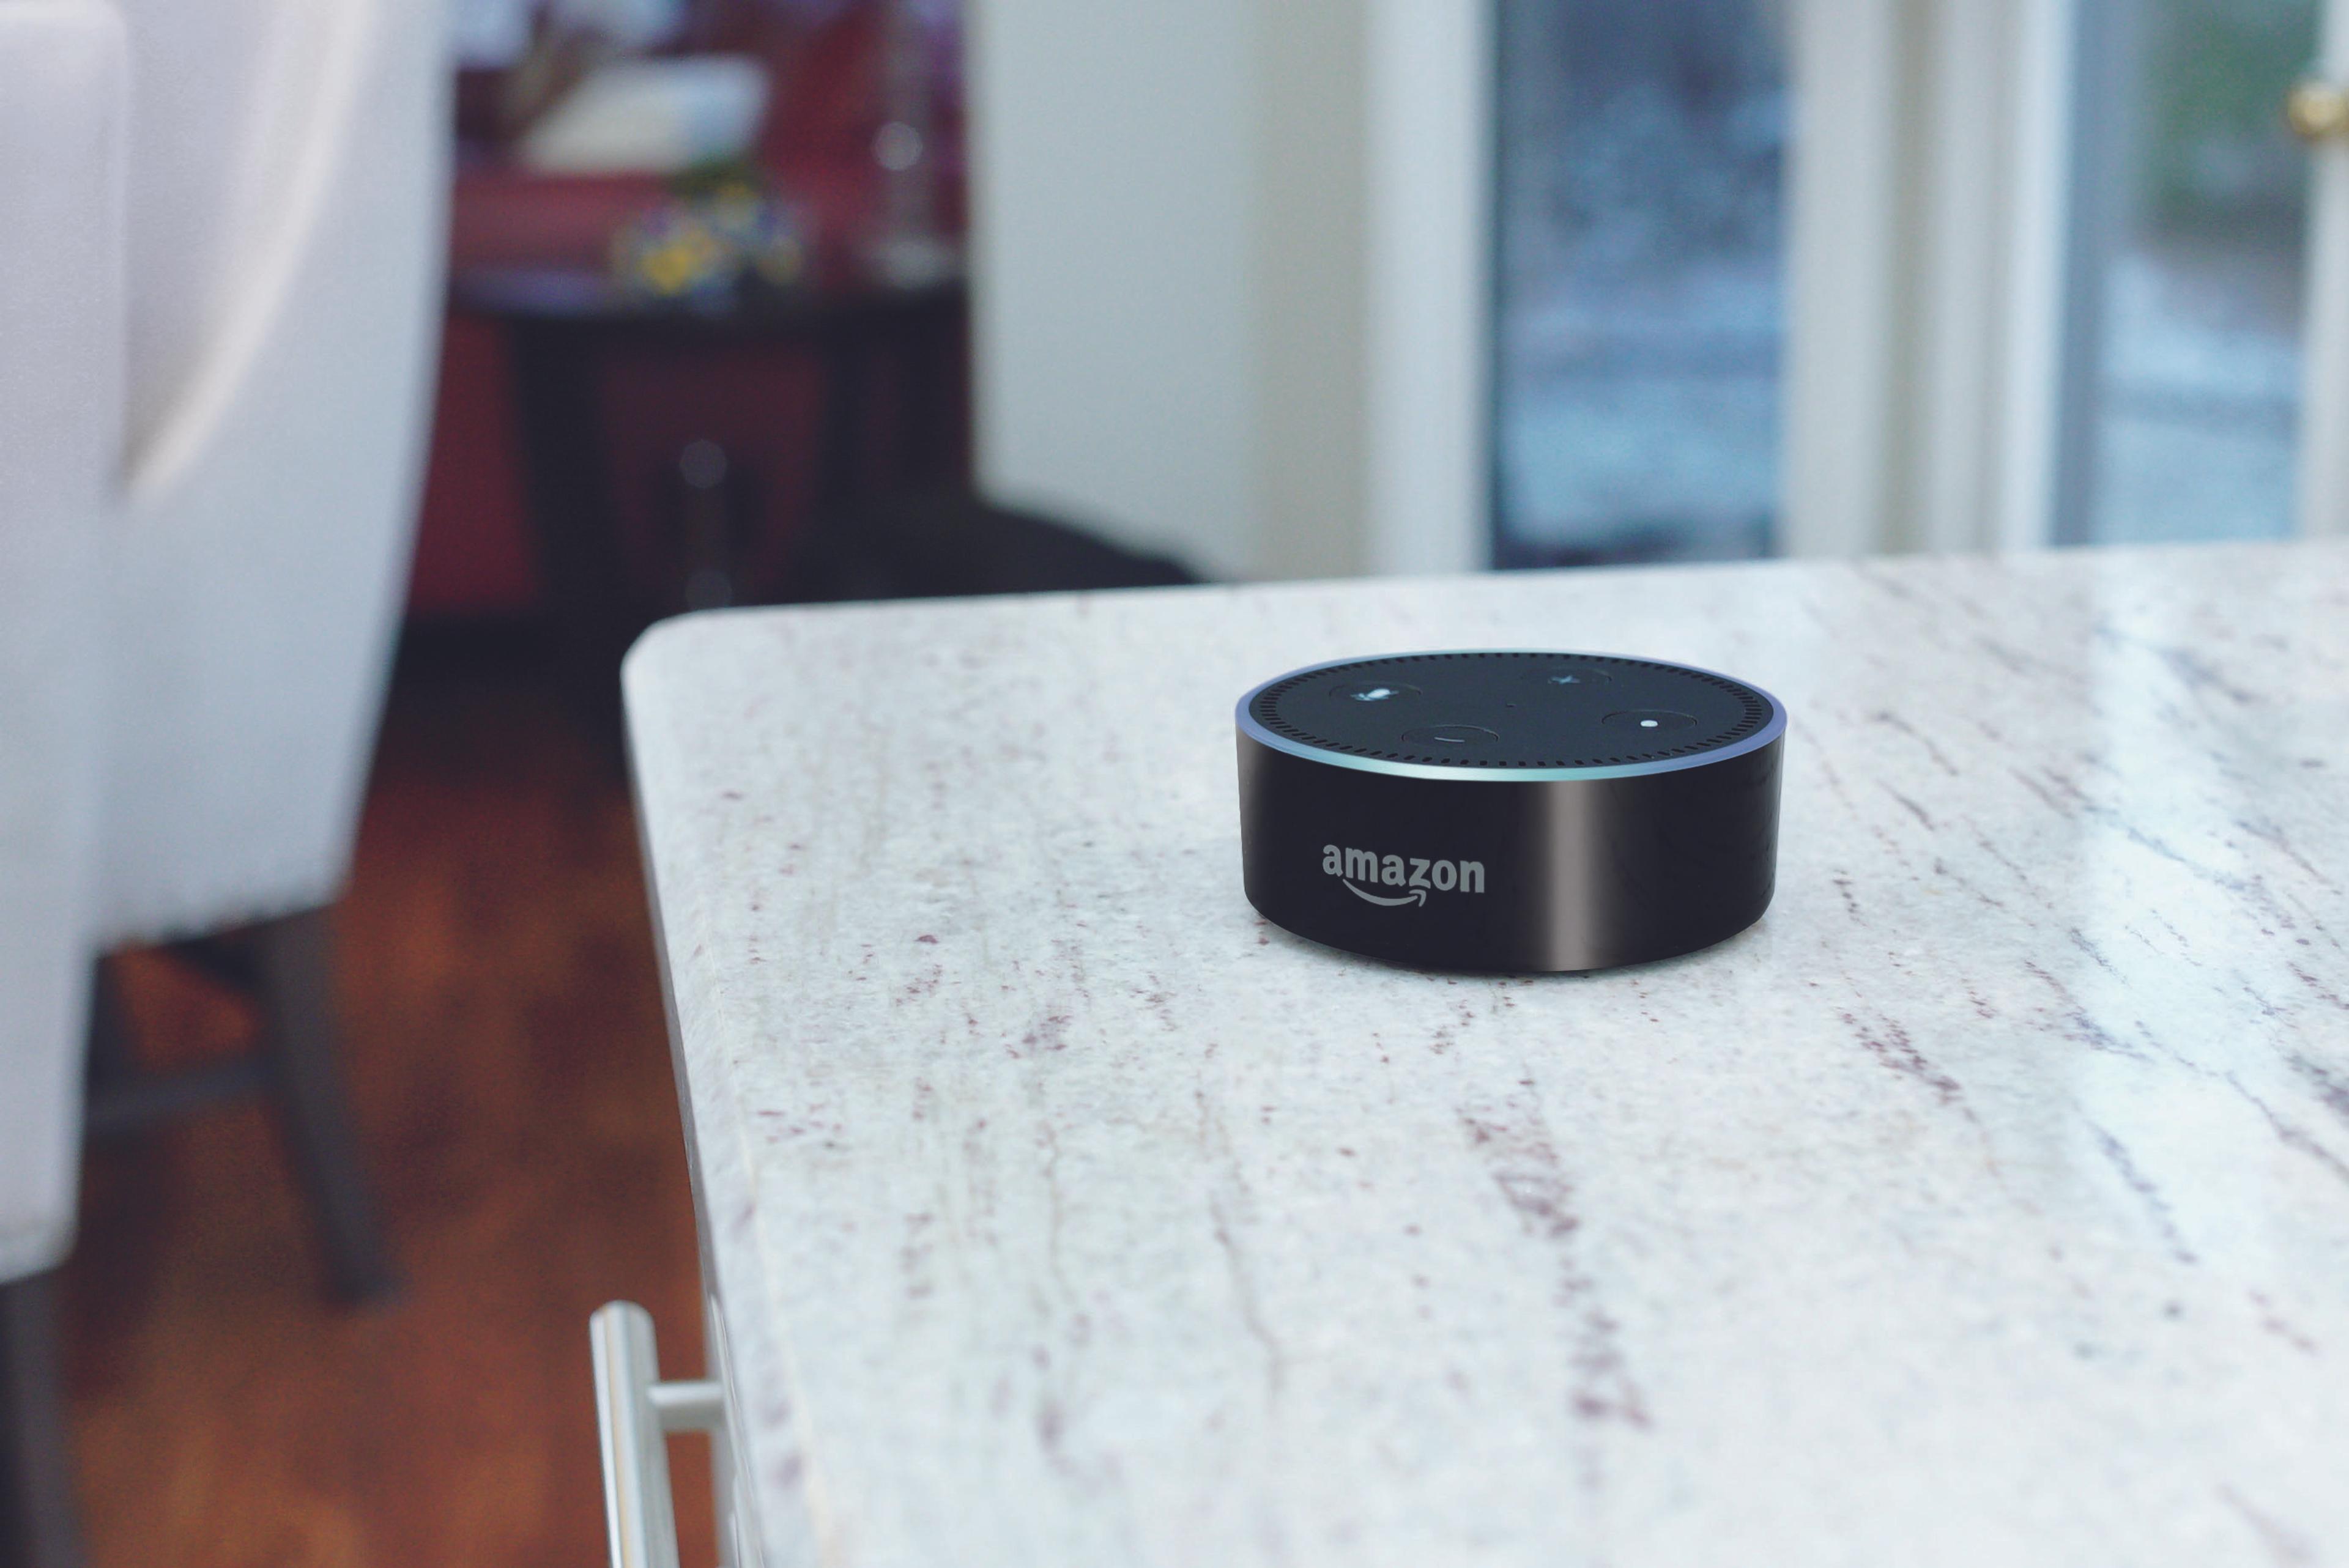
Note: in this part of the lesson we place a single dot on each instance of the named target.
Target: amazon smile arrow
(1416, 895)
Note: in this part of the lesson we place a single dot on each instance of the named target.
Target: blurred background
(1407, 287)
(780, 301)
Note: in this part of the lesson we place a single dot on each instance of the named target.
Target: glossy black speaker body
(1510, 811)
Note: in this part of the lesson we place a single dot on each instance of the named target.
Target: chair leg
(294, 962)
(113, 1058)
(38, 1527)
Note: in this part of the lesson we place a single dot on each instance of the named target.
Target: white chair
(221, 233)
(61, 97)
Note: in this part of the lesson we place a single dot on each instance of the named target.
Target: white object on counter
(651, 117)
(1987, 1202)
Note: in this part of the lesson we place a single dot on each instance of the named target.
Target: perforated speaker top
(1531, 710)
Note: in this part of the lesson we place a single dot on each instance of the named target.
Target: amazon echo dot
(1510, 811)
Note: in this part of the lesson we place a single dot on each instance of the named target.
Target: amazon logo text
(1400, 879)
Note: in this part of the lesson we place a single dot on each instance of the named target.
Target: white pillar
(1924, 266)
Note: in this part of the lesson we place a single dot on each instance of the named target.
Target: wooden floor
(505, 1043)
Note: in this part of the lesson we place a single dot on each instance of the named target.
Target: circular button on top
(1369, 692)
(1648, 720)
(1569, 677)
(1452, 735)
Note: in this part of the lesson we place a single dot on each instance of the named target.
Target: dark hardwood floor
(505, 1046)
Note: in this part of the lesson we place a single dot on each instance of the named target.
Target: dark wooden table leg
(38, 1523)
(571, 512)
(932, 360)
(842, 427)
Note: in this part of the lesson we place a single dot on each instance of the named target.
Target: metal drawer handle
(635, 1410)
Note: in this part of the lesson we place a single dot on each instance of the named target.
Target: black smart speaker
(1509, 810)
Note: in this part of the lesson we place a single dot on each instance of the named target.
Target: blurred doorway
(2184, 339)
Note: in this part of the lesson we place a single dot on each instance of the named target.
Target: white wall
(1228, 278)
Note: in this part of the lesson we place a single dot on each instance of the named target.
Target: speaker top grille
(1504, 710)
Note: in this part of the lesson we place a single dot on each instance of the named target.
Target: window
(1638, 314)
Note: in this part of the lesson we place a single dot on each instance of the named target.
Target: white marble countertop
(1988, 1202)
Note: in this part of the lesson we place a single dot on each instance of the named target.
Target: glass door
(2183, 359)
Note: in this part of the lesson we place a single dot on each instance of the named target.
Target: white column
(1430, 290)
(1925, 251)
(1848, 240)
